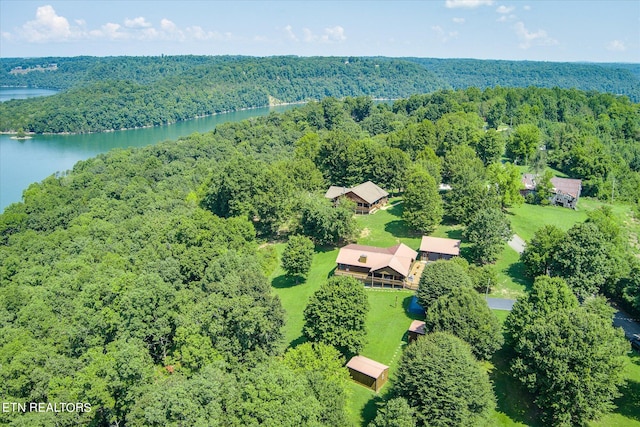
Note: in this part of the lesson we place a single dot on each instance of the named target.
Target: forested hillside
(133, 92)
(102, 94)
(137, 280)
(619, 79)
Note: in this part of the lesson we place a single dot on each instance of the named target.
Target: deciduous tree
(540, 252)
(439, 279)
(465, 314)
(422, 202)
(488, 231)
(336, 315)
(444, 383)
(297, 256)
(569, 356)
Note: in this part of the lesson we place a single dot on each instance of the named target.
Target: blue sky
(595, 31)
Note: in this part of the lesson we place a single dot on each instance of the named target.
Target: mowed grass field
(388, 318)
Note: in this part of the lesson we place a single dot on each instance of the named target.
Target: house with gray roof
(367, 196)
(565, 191)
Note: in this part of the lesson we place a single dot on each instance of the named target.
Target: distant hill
(100, 94)
(619, 79)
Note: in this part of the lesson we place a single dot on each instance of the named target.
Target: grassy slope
(388, 320)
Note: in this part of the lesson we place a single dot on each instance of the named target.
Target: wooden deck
(378, 282)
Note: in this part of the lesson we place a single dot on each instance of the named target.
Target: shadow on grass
(455, 233)
(284, 282)
(396, 210)
(513, 400)
(296, 342)
(517, 272)
(399, 228)
(324, 248)
(369, 410)
(629, 403)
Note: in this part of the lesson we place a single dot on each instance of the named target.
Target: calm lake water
(32, 160)
(7, 93)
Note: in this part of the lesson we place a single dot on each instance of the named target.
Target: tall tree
(507, 180)
(524, 141)
(488, 231)
(540, 252)
(465, 314)
(490, 146)
(444, 383)
(297, 256)
(336, 315)
(569, 356)
(584, 259)
(422, 202)
(439, 279)
(394, 412)
(323, 367)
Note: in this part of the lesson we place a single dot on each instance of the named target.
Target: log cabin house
(367, 196)
(383, 267)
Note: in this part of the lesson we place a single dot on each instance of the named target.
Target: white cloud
(502, 9)
(527, 7)
(290, 34)
(528, 38)
(334, 34)
(458, 20)
(138, 22)
(452, 4)
(443, 35)
(330, 35)
(48, 26)
(616, 46)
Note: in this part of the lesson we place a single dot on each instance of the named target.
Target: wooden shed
(435, 248)
(417, 329)
(368, 372)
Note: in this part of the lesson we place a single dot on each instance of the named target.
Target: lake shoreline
(283, 104)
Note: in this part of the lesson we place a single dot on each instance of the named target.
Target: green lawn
(388, 320)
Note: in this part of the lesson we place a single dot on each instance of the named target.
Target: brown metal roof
(568, 186)
(398, 257)
(418, 326)
(440, 245)
(366, 366)
(367, 191)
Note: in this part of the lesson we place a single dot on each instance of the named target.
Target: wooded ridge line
(101, 94)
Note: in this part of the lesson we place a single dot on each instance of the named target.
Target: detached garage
(368, 372)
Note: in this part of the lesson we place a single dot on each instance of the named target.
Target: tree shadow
(370, 409)
(399, 228)
(296, 342)
(517, 272)
(629, 403)
(396, 209)
(324, 248)
(285, 282)
(512, 398)
(455, 233)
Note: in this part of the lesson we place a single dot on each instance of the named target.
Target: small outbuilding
(368, 372)
(435, 248)
(417, 329)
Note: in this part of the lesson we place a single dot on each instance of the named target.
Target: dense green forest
(137, 281)
(126, 92)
